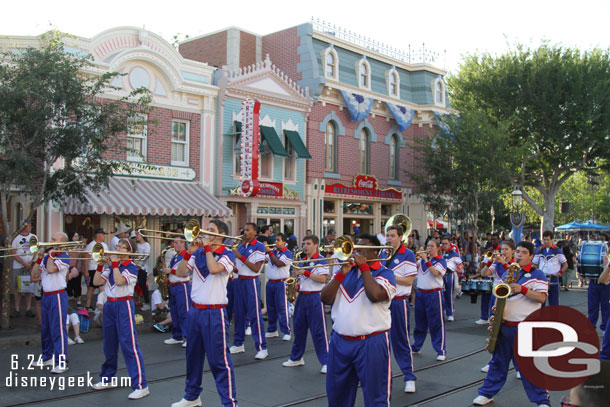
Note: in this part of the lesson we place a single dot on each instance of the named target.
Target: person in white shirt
(22, 266)
(142, 262)
(100, 236)
(121, 233)
(278, 270)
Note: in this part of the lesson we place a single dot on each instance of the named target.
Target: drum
(469, 286)
(484, 286)
(591, 258)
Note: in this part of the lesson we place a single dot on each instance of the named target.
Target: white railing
(412, 55)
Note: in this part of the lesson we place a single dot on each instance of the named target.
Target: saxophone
(162, 279)
(502, 292)
(291, 283)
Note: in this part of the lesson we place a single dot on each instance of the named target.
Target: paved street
(452, 383)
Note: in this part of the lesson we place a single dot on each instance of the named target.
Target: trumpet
(192, 230)
(34, 245)
(418, 254)
(491, 254)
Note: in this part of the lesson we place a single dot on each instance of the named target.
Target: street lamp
(517, 200)
(517, 219)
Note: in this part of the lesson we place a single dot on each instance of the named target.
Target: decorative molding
(395, 130)
(365, 124)
(340, 129)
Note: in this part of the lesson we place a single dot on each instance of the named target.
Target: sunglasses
(565, 401)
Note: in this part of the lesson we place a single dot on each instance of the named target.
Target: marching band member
(428, 301)
(553, 263)
(119, 325)
(529, 292)
(250, 256)
(54, 334)
(598, 296)
(210, 262)
(402, 263)
(278, 271)
(179, 295)
(360, 342)
(309, 310)
(486, 297)
(604, 354)
(454, 263)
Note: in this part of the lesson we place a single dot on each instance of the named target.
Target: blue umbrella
(594, 226)
(571, 226)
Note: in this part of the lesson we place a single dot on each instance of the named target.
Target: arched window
(331, 143)
(439, 92)
(364, 151)
(364, 75)
(394, 157)
(393, 88)
(330, 60)
(330, 65)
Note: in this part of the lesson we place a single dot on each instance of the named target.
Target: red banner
(365, 186)
(273, 189)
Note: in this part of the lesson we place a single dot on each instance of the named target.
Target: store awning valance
(295, 139)
(132, 196)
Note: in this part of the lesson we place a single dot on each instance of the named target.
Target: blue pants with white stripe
(366, 361)
(119, 327)
(429, 316)
(485, 305)
(598, 295)
(309, 313)
(231, 284)
(248, 307)
(54, 334)
(179, 305)
(553, 297)
(209, 336)
(400, 337)
(498, 369)
(277, 307)
(448, 294)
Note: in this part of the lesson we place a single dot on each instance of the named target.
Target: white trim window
(364, 74)
(330, 143)
(331, 63)
(137, 134)
(393, 81)
(438, 88)
(364, 151)
(290, 162)
(180, 142)
(265, 161)
(394, 155)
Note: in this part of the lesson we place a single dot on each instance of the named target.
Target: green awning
(295, 139)
(237, 126)
(269, 134)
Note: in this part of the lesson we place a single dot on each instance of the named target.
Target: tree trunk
(5, 291)
(548, 218)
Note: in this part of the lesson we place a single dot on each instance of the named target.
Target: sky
(453, 28)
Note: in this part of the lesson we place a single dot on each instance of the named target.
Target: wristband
(340, 277)
(187, 256)
(364, 267)
(428, 264)
(173, 272)
(489, 263)
(524, 290)
(207, 248)
(271, 253)
(506, 266)
(39, 261)
(307, 273)
(243, 258)
(183, 253)
(100, 267)
(115, 265)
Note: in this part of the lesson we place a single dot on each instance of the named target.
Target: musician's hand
(114, 258)
(268, 249)
(358, 259)
(424, 256)
(345, 268)
(237, 253)
(166, 270)
(515, 288)
(205, 241)
(500, 259)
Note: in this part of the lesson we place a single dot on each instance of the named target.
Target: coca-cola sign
(365, 186)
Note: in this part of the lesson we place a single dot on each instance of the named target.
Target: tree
(55, 131)
(554, 105)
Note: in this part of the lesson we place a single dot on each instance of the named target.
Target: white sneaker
(324, 369)
(187, 403)
(485, 369)
(145, 307)
(70, 341)
(481, 401)
(261, 354)
(237, 349)
(416, 352)
(292, 363)
(248, 331)
(481, 322)
(79, 340)
(286, 337)
(441, 357)
(138, 394)
(272, 334)
(59, 370)
(450, 318)
(103, 386)
(184, 344)
(48, 362)
(518, 375)
(410, 386)
(172, 341)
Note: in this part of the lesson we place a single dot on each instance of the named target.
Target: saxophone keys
(492, 319)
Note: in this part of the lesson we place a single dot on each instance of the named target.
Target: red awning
(439, 224)
(133, 196)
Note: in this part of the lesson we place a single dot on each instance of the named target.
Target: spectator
(75, 322)
(160, 312)
(381, 236)
(142, 246)
(121, 233)
(100, 236)
(329, 238)
(77, 270)
(571, 258)
(21, 269)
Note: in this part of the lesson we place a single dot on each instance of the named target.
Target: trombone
(98, 253)
(343, 249)
(192, 230)
(34, 245)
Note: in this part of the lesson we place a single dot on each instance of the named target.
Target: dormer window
(364, 74)
(331, 63)
(439, 92)
(393, 82)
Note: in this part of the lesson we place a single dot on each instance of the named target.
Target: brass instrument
(98, 253)
(402, 220)
(291, 289)
(502, 291)
(34, 245)
(491, 254)
(162, 279)
(418, 254)
(192, 230)
(343, 248)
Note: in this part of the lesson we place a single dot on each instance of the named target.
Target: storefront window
(329, 206)
(288, 227)
(328, 224)
(357, 208)
(386, 210)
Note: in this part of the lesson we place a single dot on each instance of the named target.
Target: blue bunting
(358, 106)
(403, 115)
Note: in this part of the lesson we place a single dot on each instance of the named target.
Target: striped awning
(131, 196)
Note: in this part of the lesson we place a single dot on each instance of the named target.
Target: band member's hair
(447, 238)
(251, 224)
(527, 245)
(128, 244)
(434, 241)
(313, 238)
(547, 233)
(223, 229)
(373, 240)
(397, 228)
(510, 243)
(282, 236)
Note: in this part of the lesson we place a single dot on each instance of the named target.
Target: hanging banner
(403, 115)
(358, 106)
(365, 186)
(249, 147)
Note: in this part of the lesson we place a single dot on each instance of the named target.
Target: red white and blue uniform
(309, 313)
(486, 297)
(179, 299)
(402, 263)
(277, 304)
(604, 354)
(247, 305)
(518, 307)
(119, 326)
(360, 342)
(209, 327)
(429, 306)
(497, 270)
(598, 296)
(550, 260)
(454, 262)
(54, 307)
